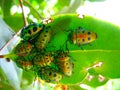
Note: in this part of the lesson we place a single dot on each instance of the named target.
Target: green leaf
(2, 75)
(36, 1)
(95, 81)
(27, 78)
(111, 64)
(4, 84)
(65, 3)
(6, 5)
(74, 87)
(11, 20)
(105, 49)
(68, 6)
(15, 22)
(92, 71)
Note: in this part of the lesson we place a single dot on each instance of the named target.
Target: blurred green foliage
(46, 8)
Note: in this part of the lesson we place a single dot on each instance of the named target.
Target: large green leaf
(13, 24)
(6, 5)
(4, 84)
(105, 49)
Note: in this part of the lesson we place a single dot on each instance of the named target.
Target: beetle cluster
(50, 66)
(31, 54)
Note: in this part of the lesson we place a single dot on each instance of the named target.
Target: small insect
(22, 48)
(29, 32)
(64, 63)
(43, 60)
(24, 64)
(50, 75)
(43, 38)
(22, 61)
(81, 36)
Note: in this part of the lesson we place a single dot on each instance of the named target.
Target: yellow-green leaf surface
(4, 84)
(105, 49)
(74, 87)
(27, 78)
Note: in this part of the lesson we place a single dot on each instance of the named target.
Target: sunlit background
(107, 10)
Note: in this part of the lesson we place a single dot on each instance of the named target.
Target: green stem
(14, 36)
(23, 14)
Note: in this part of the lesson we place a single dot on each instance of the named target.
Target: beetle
(31, 31)
(43, 59)
(50, 75)
(44, 38)
(24, 64)
(23, 47)
(64, 63)
(81, 36)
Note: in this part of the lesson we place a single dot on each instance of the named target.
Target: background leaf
(100, 51)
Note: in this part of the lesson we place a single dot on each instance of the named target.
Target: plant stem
(23, 14)
(14, 36)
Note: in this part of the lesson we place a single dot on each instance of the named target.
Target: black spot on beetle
(83, 31)
(40, 56)
(83, 40)
(29, 31)
(48, 61)
(34, 29)
(68, 67)
(67, 63)
(45, 35)
(46, 55)
(40, 25)
(46, 58)
(46, 31)
(55, 75)
(89, 33)
(43, 39)
(54, 80)
(89, 38)
(50, 73)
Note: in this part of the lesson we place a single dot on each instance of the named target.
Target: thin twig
(14, 36)
(33, 9)
(23, 14)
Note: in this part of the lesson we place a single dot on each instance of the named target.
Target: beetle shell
(23, 48)
(43, 39)
(29, 32)
(50, 75)
(64, 64)
(22, 63)
(43, 59)
(81, 37)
